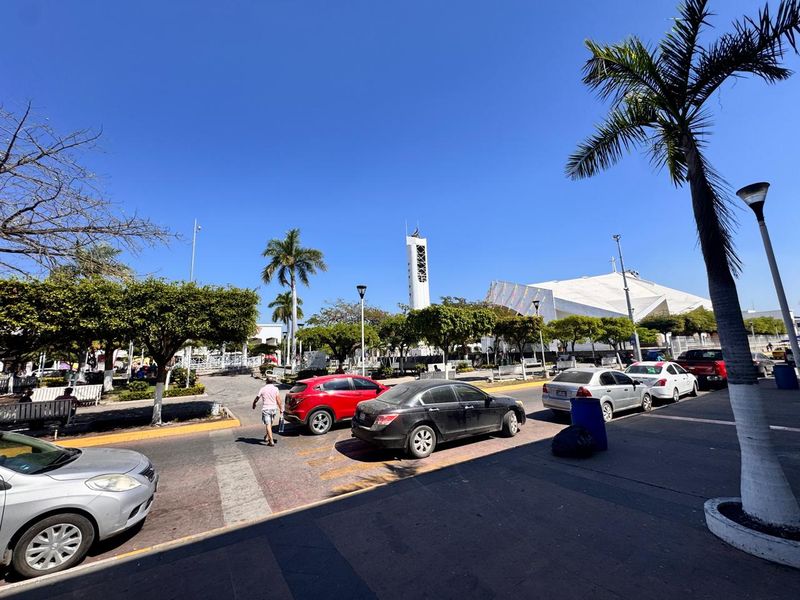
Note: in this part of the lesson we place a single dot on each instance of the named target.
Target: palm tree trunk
(766, 493)
(108, 372)
(294, 321)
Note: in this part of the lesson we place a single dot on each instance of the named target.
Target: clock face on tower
(422, 264)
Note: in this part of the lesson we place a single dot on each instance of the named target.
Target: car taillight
(583, 393)
(384, 420)
(544, 389)
(719, 368)
(660, 383)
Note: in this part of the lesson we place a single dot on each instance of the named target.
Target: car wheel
(694, 390)
(676, 395)
(647, 403)
(510, 424)
(608, 411)
(320, 422)
(52, 544)
(421, 442)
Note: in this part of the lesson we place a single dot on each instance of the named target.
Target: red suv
(319, 402)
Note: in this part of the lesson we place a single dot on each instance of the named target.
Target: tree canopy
(342, 311)
(519, 330)
(445, 325)
(765, 325)
(340, 339)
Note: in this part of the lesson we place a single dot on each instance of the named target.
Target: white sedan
(665, 380)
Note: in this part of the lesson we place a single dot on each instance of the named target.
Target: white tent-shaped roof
(599, 296)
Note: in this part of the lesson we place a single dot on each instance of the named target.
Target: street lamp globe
(754, 196)
(361, 290)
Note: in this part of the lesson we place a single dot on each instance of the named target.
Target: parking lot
(221, 478)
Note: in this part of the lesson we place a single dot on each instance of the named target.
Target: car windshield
(573, 377)
(643, 370)
(28, 455)
(704, 354)
(397, 395)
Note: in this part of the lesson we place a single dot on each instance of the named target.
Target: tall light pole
(195, 229)
(299, 327)
(362, 289)
(754, 195)
(541, 339)
(636, 346)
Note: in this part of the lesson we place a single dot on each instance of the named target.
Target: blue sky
(348, 119)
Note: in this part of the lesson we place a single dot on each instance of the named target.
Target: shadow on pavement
(249, 440)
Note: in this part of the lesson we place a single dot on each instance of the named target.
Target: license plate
(561, 392)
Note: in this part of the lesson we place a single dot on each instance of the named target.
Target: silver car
(615, 390)
(56, 502)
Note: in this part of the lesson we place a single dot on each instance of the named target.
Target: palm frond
(756, 47)
(623, 129)
(618, 71)
(678, 48)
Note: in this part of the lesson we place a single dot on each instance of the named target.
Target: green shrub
(384, 373)
(183, 391)
(150, 392)
(179, 377)
(420, 367)
(137, 386)
(52, 382)
(464, 368)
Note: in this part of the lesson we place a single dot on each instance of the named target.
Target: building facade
(419, 295)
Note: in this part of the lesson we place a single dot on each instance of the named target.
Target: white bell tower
(417, 252)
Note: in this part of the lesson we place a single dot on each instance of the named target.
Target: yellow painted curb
(147, 434)
(513, 386)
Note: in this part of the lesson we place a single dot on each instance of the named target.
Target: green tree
(290, 263)
(340, 339)
(647, 337)
(569, 330)
(442, 326)
(592, 330)
(699, 320)
(664, 323)
(96, 261)
(396, 333)
(765, 326)
(341, 311)
(25, 326)
(616, 331)
(282, 308)
(168, 315)
(660, 101)
(520, 331)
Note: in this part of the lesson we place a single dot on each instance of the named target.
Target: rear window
(573, 377)
(704, 355)
(397, 395)
(643, 370)
(297, 388)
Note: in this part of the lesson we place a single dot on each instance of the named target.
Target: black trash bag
(573, 442)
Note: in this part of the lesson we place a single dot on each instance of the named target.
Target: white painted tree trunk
(294, 324)
(108, 380)
(157, 404)
(766, 493)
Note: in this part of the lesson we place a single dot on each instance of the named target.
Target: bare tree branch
(51, 206)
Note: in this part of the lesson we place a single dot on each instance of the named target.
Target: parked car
(764, 364)
(56, 502)
(319, 402)
(707, 365)
(665, 380)
(419, 415)
(615, 390)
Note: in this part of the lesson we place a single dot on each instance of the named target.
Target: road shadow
(548, 416)
(361, 451)
(297, 430)
(249, 440)
(393, 473)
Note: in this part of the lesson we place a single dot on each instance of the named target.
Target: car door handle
(468, 406)
(433, 410)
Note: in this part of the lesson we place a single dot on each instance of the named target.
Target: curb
(513, 386)
(148, 434)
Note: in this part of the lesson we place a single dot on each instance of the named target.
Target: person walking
(271, 407)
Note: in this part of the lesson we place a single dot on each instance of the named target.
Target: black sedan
(420, 414)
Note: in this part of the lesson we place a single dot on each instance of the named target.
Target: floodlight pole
(541, 338)
(195, 229)
(362, 289)
(636, 346)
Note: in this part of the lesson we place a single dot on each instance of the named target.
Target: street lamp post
(541, 339)
(362, 289)
(637, 347)
(195, 229)
(754, 195)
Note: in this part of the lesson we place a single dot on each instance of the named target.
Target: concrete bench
(36, 412)
(87, 395)
(433, 375)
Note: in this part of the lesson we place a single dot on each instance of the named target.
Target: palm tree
(291, 262)
(282, 306)
(98, 261)
(658, 102)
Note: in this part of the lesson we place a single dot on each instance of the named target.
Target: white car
(665, 380)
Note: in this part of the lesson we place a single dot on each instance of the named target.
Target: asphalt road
(220, 478)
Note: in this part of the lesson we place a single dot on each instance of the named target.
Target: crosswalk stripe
(240, 493)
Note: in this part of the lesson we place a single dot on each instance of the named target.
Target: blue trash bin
(587, 413)
(785, 377)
